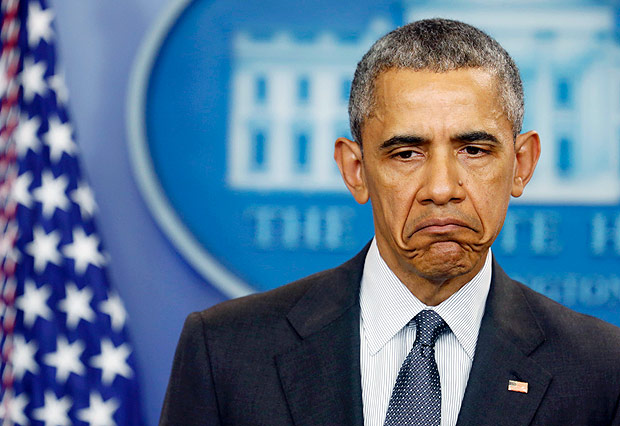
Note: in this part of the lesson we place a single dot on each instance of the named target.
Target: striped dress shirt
(387, 306)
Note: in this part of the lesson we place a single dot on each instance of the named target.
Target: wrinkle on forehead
(400, 89)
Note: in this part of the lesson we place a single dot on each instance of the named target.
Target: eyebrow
(402, 140)
(476, 136)
(414, 140)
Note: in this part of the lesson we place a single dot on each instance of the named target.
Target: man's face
(439, 165)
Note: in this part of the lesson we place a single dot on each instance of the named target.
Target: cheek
(490, 198)
(492, 217)
(392, 196)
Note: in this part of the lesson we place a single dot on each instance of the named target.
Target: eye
(404, 154)
(474, 150)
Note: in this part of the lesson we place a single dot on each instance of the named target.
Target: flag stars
(83, 197)
(26, 135)
(99, 412)
(12, 408)
(66, 359)
(54, 412)
(84, 251)
(113, 306)
(34, 303)
(76, 305)
(23, 357)
(67, 342)
(20, 191)
(44, 249)
(33, 80)
(59, 138)
(57, 83)
(112, 361)
(52, 193)
(39, 24)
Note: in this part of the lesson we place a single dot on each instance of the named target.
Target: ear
(527, 150)
(348, 155)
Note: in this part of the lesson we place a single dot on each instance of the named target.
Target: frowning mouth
(441, 225)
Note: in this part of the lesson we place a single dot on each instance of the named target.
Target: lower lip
(441, 229)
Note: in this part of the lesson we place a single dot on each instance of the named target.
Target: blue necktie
(416, 397)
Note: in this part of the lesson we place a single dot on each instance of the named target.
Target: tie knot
(429, 325)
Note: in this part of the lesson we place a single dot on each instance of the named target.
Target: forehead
(459, 98)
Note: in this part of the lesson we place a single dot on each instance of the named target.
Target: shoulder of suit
(337, 283)
(276, 303)
(562, 323)
(273, 302)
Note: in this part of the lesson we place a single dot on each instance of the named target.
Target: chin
(443, 261)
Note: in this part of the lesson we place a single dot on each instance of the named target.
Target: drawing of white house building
(288, 106)
(289, 97)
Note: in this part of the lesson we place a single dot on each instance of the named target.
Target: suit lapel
(321, 376)
(509, 333)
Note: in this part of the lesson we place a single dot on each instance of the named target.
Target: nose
(441, 181)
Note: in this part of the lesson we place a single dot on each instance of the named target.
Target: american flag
(66, 359)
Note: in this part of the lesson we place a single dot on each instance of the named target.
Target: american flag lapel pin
(515, 386)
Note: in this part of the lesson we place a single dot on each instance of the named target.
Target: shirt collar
(387, 305)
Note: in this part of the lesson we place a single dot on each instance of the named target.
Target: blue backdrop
(205, 120)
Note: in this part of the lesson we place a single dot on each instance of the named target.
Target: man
(422, 327)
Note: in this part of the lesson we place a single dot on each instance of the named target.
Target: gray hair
(438, 45)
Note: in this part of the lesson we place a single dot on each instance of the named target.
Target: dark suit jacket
(291, 356)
